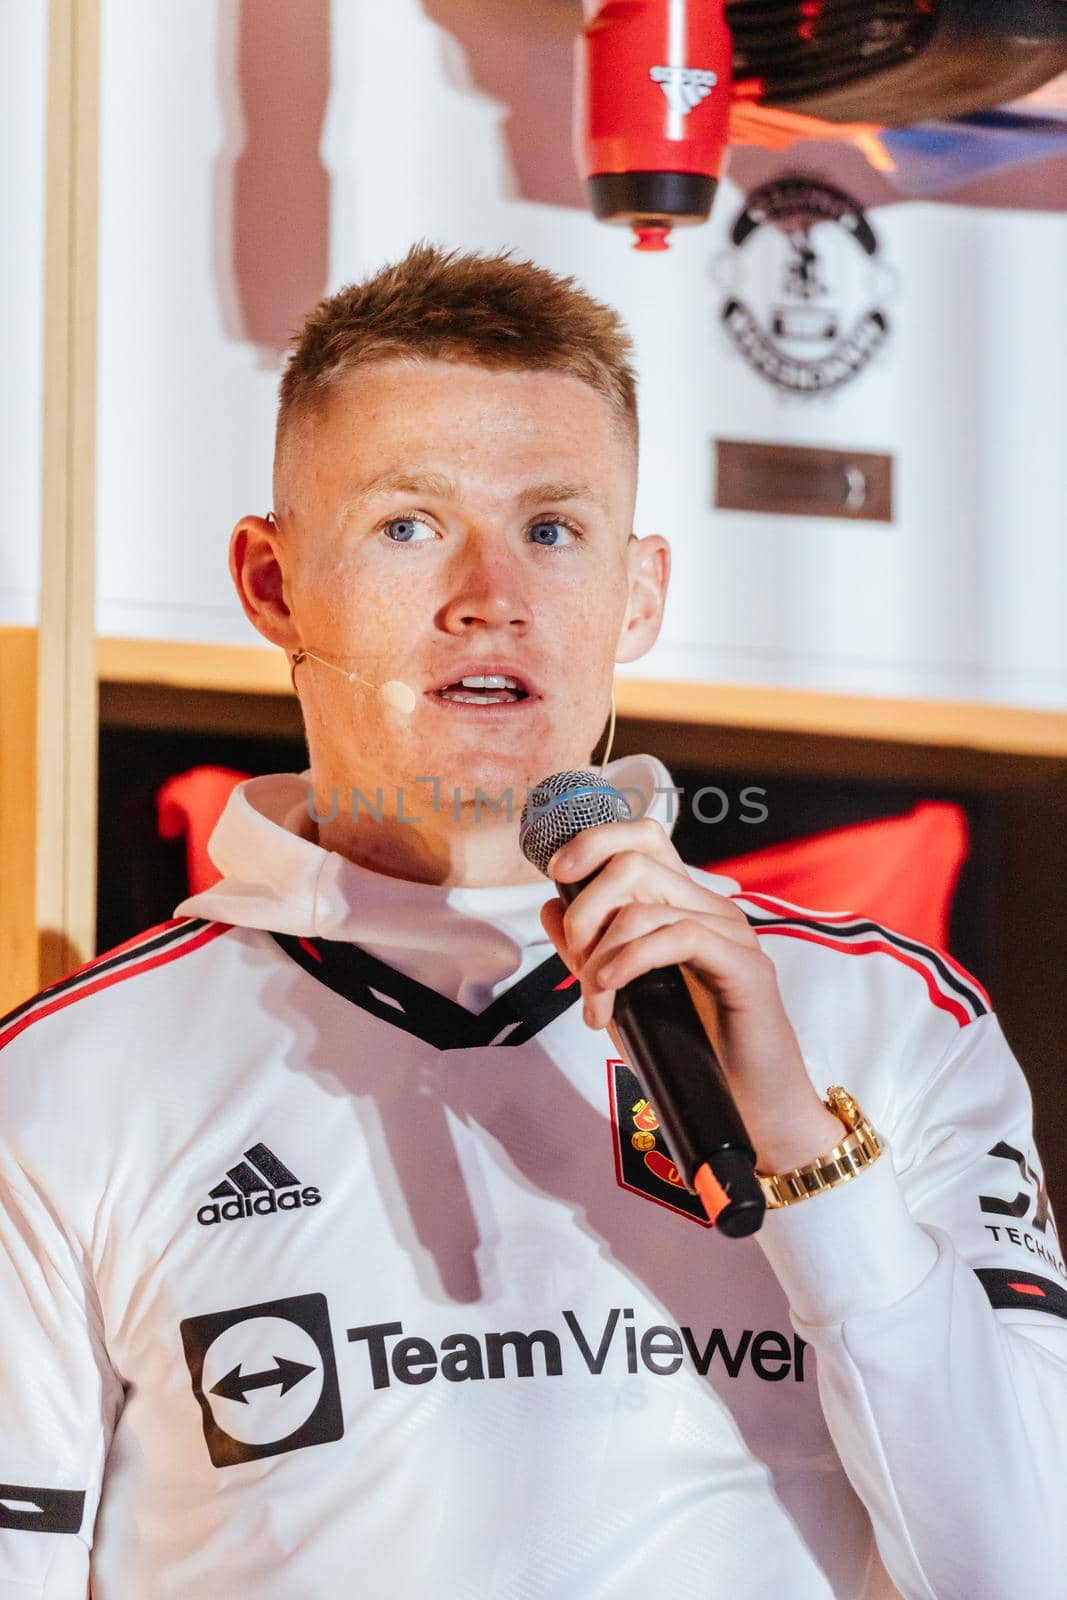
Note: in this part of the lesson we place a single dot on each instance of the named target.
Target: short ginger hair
(489, 310)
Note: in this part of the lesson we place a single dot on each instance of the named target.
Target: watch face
(842, 1105)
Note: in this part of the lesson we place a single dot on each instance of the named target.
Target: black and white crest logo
(804, 281)
(265, 1378)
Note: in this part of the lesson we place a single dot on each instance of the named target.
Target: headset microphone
(398, 696)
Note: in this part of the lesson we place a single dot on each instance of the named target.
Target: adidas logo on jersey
(684, 87)
(258, 1186)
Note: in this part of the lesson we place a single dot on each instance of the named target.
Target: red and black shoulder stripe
(950, 987)
(155, 947)
(1022, 1291)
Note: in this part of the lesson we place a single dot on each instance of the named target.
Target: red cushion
(900, 871)
(190, 804)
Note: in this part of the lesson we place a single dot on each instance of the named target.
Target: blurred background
(853, 395)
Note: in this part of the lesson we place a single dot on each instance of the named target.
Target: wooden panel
(233, 668)
(740, 750)
(934, 722)
(154, 706)
(797, 481)
(18, 816)
(66, 696)
(241, 669)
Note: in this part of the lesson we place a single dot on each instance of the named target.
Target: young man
(342, 1253)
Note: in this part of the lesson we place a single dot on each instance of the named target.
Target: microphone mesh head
(563, 806)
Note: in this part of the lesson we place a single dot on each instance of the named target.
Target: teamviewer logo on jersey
(258, 1186)
(265, 1378)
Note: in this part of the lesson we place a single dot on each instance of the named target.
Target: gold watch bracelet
(859, 1149)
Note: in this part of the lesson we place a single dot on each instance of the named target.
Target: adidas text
(260, 1205)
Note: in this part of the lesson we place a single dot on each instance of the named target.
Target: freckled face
(441, 512)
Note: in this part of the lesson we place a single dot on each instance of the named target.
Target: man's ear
(257, 568)
(648, 564)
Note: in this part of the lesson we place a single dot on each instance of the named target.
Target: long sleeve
(59, 1398)
(933, 1292)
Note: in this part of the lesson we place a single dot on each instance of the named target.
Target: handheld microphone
(659, 1025)
(399, 696)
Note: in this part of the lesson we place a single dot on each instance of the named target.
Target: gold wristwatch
(856, 1151)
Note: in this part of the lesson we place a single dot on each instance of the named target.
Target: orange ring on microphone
(713, 1196)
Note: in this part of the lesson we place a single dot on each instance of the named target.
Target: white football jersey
(338, 1256)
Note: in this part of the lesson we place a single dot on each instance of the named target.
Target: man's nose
(485, 586)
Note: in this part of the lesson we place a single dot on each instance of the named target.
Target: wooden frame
(211, 670)
(66, 775)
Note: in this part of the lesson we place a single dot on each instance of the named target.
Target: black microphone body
(669, 1049)
(658, 1023)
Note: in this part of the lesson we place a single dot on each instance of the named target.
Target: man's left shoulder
(845, 972)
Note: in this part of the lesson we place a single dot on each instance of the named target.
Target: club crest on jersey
(258, 1186)
(643, 1162)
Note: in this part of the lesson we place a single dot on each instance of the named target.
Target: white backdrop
(23, 43)
(423, 122)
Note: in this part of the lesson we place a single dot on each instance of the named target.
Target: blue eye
(538, 528)
(407, 526)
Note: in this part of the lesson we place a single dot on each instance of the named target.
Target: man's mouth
(483, 689)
